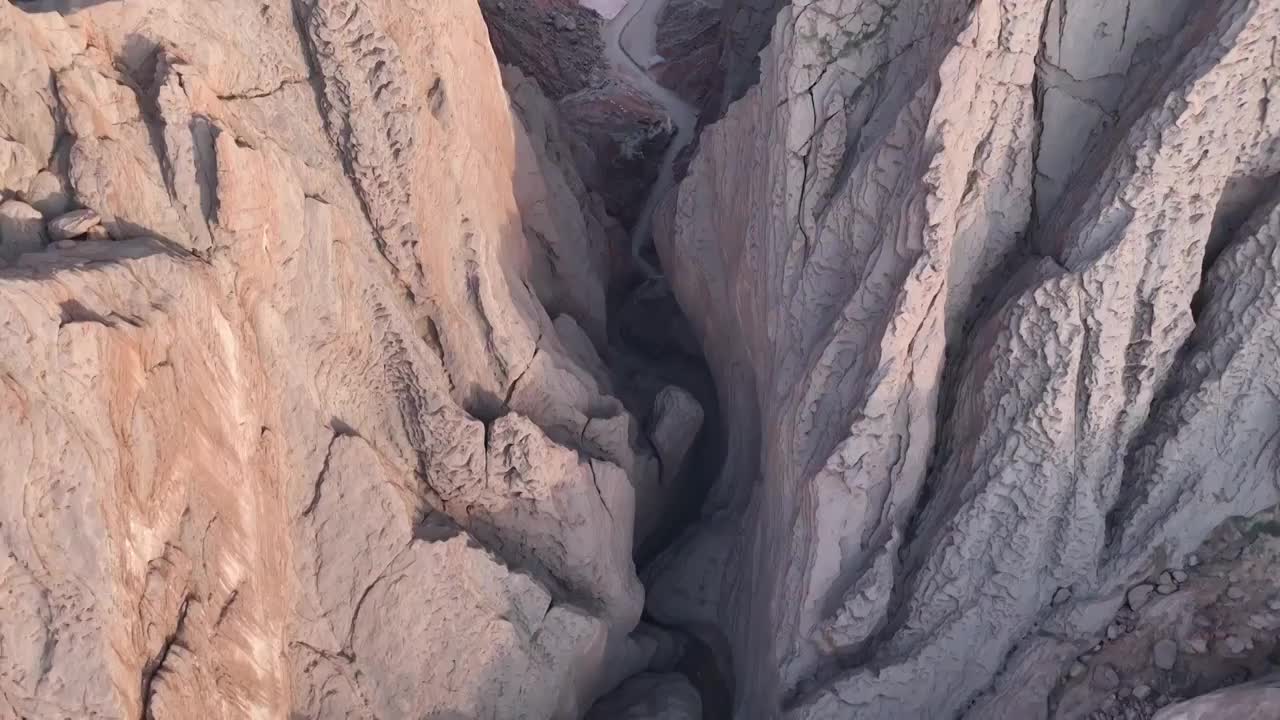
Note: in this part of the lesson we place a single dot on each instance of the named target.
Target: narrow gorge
(640, 359)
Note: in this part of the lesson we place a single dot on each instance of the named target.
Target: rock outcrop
(626, 132)
(688, 41)
(325, 432)
(988, 290)
(745, 29)
(331, 390)
(650, 696)
(556, 41)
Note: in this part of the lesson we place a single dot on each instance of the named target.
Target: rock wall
(745, 29)
(318, 426)
(556, 41)
(988, 290)
(688, 41)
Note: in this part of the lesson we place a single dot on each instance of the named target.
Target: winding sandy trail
(630, 41)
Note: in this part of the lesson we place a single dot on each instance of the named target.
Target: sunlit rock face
(315, 404)
(310, 422)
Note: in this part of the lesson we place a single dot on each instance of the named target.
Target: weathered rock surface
(988, 290)
(745, 29)
(21, 229)
(688, 41)
(650, 696)
(339, 428)
(555, 41)
(306, 441)
(626, 132)
(73, 224)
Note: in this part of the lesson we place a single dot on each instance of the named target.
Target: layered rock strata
(324, 431)
(988, 290)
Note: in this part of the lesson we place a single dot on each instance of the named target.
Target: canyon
(647, 359)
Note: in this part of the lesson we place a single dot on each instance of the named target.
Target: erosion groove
(639, 359)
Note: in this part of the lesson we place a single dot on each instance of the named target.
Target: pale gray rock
(73, 224)
(989, 291)
(650, 696)
(1165, 654)
(1258, 700)
(675, 419)
(1105, 678)
(21, 229)
(1138, 595)
(1037, 397)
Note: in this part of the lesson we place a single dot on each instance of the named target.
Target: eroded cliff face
(318, 426)
(333, 391)
(989, 293)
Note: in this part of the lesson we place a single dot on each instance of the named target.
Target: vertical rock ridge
(911, 512)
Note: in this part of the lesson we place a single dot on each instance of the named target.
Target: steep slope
(947, 262)
(323, 432)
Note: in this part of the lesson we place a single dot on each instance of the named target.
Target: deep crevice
(155, 666)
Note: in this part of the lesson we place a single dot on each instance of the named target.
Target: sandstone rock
(650, 697)
(73, 224)
(1034, 392)
(47, 194)
(244, 438)
(675, 421)
(21, 229)
(572, 233)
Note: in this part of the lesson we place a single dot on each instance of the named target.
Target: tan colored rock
(241, 433)
(1249, 701)
(21, 229)
(47, 194)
